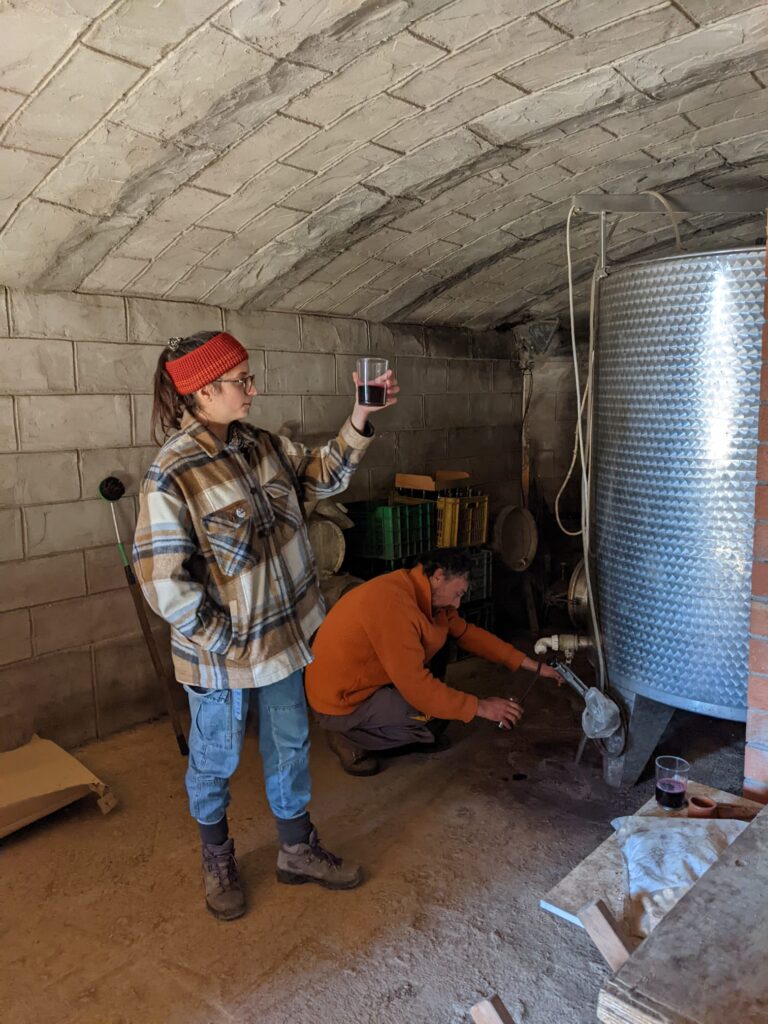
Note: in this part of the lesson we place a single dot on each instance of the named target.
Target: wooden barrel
(327, 540)
(334, 587)
(515, 537)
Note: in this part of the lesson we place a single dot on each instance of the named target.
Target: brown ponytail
(168, 405)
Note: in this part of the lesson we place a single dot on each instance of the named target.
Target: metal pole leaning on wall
(111, 490)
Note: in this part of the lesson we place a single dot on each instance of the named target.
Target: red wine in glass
(670, 793)
(371, 381)
(372, 394)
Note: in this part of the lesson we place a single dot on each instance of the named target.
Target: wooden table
(706, 962)
(602, 875)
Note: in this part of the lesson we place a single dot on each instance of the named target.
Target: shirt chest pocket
(232, 536)
(283, 502)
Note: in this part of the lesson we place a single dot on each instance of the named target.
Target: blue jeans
(216, 739)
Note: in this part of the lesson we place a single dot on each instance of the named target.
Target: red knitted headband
(204, 364)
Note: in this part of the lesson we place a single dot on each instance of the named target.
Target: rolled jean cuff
(291, 831)
(214, 834)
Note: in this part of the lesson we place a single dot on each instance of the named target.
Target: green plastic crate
(377, 532)
(480, 575)
(390, 531)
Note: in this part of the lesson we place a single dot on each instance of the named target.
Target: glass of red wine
(671, 782)
(371, 386)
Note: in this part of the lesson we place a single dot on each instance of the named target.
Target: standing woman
(222, 553)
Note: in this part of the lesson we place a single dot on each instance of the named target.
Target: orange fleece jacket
(384, 632)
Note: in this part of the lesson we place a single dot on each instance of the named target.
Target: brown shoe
(354, 760)
(311, 862)
(223, 895)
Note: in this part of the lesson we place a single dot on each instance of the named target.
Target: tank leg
(647, 721)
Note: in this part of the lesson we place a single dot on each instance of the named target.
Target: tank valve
(567, 643)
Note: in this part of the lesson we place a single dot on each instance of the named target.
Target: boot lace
(224, 866)
(320, 852)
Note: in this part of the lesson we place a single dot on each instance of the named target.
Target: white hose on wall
(584, 448)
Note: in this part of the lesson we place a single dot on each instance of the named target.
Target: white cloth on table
(664, 857)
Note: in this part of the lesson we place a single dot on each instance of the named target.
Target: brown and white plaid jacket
(222, 553)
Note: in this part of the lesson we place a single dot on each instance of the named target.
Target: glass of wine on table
(671, 782)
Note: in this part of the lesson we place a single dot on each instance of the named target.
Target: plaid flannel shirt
(222, 553)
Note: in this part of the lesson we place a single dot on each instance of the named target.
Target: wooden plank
(606, 933)
(491, 1011)
(617, 1011)
(705, 962)
(602, 874)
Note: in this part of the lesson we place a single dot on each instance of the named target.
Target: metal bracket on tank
(683, 202)
(603, 271)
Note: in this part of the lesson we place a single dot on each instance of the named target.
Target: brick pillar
(756, 754)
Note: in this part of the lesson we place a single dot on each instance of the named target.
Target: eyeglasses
(246, 383)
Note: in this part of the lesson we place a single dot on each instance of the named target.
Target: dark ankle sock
(214, 835)
(291, 831)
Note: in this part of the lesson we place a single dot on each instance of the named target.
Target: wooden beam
(606, 933)
(491, 1011)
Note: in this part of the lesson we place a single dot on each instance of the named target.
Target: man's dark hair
(453, 562)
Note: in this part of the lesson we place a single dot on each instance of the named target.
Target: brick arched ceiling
(392, 159)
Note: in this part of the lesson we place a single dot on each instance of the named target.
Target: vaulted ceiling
(391, 159)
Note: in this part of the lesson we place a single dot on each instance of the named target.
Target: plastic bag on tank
(600, 717)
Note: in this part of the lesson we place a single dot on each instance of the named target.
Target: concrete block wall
(551, 425)
(756, 753)
(75, 399)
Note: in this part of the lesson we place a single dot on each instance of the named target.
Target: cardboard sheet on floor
(39, 778)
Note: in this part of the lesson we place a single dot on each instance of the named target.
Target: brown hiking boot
(223, 895)
(354, 760)
(311, 862)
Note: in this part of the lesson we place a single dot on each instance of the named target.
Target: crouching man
(371, 684)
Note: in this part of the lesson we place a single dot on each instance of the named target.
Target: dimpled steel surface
(677, 392)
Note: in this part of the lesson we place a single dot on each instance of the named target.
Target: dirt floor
(102, 919)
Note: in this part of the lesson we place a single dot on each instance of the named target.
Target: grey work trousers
(383, 721)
